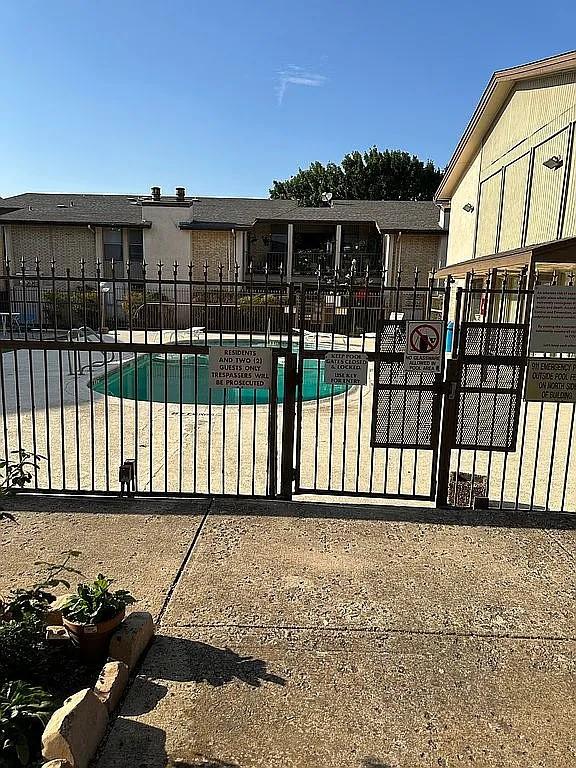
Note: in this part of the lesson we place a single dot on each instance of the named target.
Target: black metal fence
(108, 379)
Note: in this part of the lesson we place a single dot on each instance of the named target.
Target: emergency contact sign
(424, 346)
(346, 368)
(551, 381)
(240, 367)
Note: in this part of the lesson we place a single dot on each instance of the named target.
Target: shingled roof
(40, 208)
(241, 212)
(215, 212)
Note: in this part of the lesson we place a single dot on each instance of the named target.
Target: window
(136, 253)
(112, 245)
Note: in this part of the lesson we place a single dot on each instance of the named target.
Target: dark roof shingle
(38, 208)
(389, 215)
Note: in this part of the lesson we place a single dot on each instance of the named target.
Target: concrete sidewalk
(323, 636)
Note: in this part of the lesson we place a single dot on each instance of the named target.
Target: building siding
(418, 252)
(515, 180)
(214, 249)
(528, 117)
(67, 246)
(533, 126)
(462, 223)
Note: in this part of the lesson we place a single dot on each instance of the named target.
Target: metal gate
(499, 451)
(379, 440)
(106, 378)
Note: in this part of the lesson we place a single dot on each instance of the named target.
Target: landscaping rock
(56, 634)
(131, 638)
(58, 764)
(111, 683)
(75, 730)
(54, 613)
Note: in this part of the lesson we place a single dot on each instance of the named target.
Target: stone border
(75, 730)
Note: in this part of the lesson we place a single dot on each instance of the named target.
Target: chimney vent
(180, 194)
(156, 193)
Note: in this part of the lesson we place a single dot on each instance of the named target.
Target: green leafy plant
(94, 603)
(133, 301)
(37, 599)
(17, 473)
(24, 712)
(80, 306)
(22, 647)
(260, 300)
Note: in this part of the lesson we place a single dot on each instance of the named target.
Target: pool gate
(403, 387)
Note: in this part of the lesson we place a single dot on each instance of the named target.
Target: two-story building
(258, 235)
(510, 186)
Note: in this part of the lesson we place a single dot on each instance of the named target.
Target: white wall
(164, 241)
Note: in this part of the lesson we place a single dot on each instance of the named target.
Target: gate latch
(127, 477)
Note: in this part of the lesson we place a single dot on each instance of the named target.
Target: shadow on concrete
(374, 762)
(201, 762)
(132, 744)
(145, 694)
(186, 661)
(101, 505)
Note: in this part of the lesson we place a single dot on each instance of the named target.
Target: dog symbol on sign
(424, 339)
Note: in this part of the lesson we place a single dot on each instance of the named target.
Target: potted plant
(92, 614)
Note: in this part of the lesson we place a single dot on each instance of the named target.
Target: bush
(77, 308)
(24, 712)
(23, 649)
(134, 300)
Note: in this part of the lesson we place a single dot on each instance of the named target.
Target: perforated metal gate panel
(490, 388)
(406, 406)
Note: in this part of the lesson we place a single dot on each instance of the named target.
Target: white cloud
(297, 76)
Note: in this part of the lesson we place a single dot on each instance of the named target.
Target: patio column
(290, 252)
(338, 247)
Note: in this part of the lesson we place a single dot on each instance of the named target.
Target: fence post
(447, 430)
(289, 407)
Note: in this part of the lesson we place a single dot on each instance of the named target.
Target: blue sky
(225, 96)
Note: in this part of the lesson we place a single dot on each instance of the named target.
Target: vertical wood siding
(513, 204)
(488, 215)
(546, 191)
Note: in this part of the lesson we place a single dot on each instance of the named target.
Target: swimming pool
(183, 378)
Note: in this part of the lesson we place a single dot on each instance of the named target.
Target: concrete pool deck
(327, 636)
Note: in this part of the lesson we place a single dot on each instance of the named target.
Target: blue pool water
(183, 378)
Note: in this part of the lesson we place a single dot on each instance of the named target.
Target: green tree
(370, 175)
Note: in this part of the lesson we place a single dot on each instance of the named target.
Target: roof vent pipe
(156, 193)
(180, 194)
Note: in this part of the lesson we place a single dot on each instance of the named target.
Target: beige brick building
(261, 238)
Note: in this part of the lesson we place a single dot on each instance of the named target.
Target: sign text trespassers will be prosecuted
(240, 367)
(424, 346)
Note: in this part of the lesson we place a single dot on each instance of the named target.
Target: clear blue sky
(223, 96)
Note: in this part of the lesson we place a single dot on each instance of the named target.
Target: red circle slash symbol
(424, 339)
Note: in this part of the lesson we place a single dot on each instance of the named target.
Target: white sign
(346, 368)
(424, 346)
(551, 381)
(243, 367)
(553, 319)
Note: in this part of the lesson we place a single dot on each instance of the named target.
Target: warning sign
(243, 367)
(424, 346)
(551, 381)
(553, 319)
(346, 368)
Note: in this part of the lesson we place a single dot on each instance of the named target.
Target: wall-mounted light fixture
(553, 163)
(468, 207)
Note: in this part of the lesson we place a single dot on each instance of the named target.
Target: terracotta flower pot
(93, 639)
